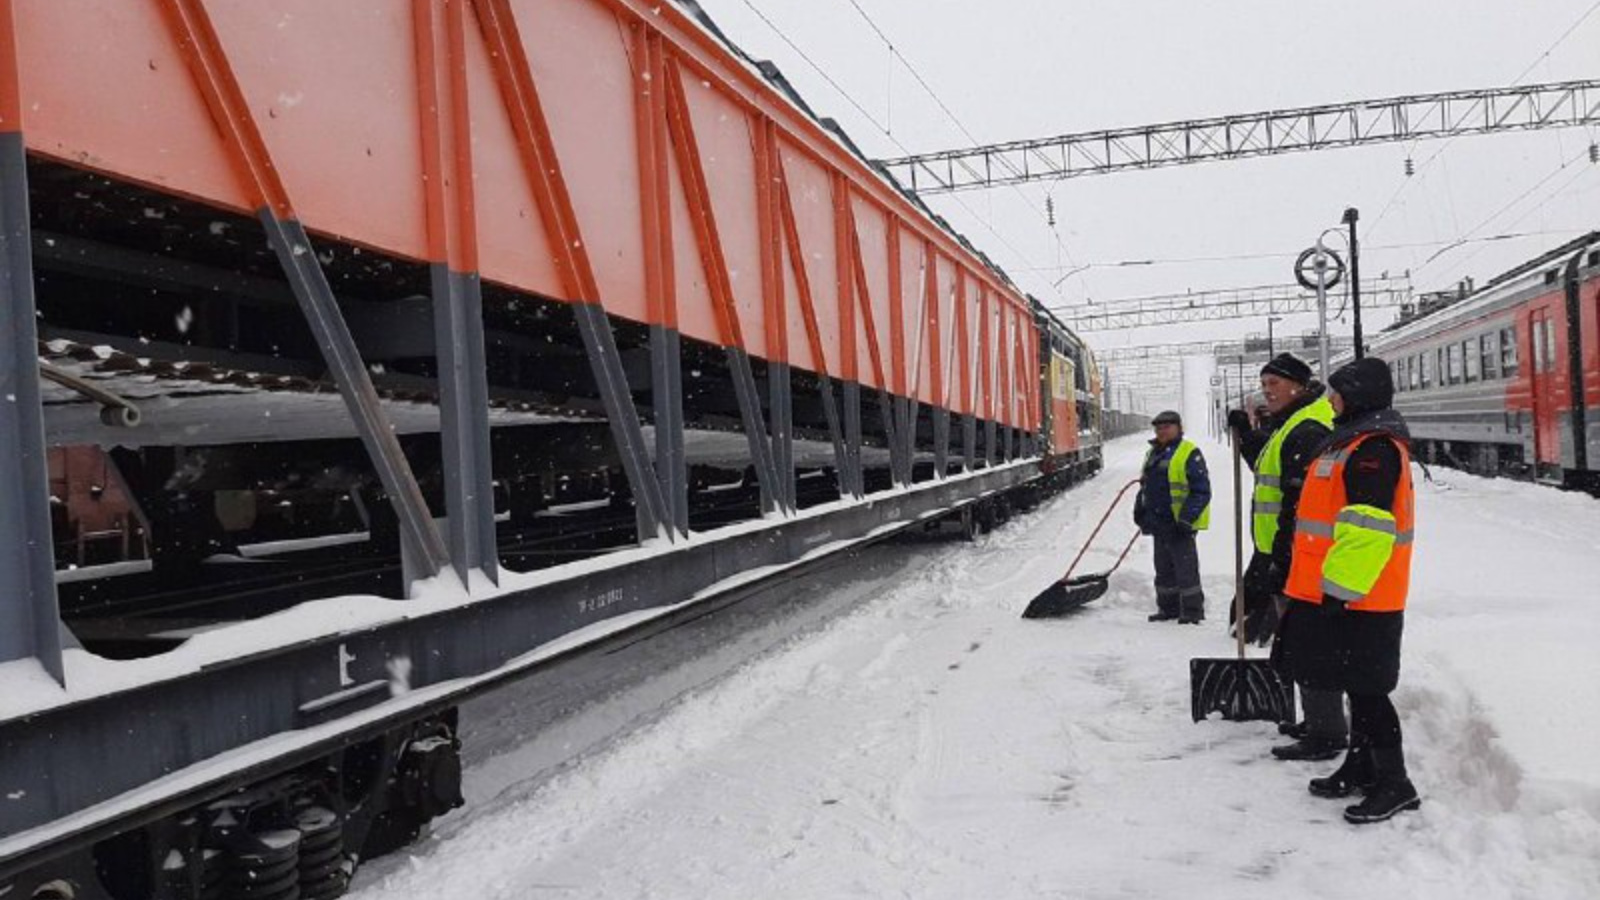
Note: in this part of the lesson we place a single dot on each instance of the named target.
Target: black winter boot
(1310, 749)
(1163, 616)
(1392, 793)
(1354, 774)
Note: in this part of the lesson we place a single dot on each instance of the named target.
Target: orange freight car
(504, 308)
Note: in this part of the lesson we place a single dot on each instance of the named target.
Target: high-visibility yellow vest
(1266, 501)
(1356, 553)
(1178, 482)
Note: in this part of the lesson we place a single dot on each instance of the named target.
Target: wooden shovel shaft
(1238, 545)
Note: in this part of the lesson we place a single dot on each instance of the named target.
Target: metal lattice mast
(1353, 124)
(1228, 303)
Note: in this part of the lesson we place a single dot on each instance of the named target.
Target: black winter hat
(1365, 385)
(1287, 365)
(1167, 417)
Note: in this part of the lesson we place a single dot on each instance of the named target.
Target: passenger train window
(1453, 360)
(1489, 352)
(1469, 359)
(1508, 351)
(1426, 368)
(1411, 372)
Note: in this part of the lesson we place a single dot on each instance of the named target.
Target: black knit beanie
(1365, 385)
(1287, 365)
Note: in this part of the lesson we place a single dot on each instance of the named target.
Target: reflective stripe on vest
(1356, 553)
(1266, 501)
(1178, 483)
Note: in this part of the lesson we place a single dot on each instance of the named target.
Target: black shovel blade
(1062, 597)
(1243, 690)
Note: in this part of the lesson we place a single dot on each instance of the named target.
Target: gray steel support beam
(30, 621)
(852, 436)
(424, 548)
(781, 411)
(941, 442)
(755, 429)
(464, 421)
(909, 437)
(990, 441)
(600, 345)
(886, 411)
(893, 415)
(666, 391)
(969, 441)
(830, 412)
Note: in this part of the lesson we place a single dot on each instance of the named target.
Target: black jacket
(1373, 473)
(1299, 448)
(1152, 510)
(1327, 646)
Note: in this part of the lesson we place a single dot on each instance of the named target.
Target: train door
(1546, 417)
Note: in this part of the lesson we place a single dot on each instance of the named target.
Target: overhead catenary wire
(1583, 172)
(1414, 170)
(1290, 254)
(1508, 206)
(950, 114)
(880, 126)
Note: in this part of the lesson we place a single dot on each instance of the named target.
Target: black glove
(1238, 420)
(1262, 579)
(1332, 606)
(1262, 623)
(1275, 578)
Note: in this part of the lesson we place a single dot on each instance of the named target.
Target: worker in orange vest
(1352, 565)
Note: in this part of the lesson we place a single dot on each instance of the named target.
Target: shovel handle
(1238, 546)
(1099, 525)
(1125, 550)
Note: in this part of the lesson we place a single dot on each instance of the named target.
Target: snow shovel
(1243, 690)
(1069, 593)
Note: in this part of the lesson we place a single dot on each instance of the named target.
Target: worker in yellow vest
(1348, 580)
(1299, 418)
(1173, 506)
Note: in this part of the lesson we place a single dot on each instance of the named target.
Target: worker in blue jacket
(1174, 505)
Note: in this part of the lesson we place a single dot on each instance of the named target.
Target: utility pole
(1350, 217)
(1270, 351)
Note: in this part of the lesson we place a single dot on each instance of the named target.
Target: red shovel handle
(1099, 525)
(1131, 541)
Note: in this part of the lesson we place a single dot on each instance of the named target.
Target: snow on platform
(931, 744)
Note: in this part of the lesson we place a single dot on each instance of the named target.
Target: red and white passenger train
(1489, 382)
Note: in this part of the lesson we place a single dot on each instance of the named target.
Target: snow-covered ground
(931, 744)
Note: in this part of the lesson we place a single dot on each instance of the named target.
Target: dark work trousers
(1373, 717)
(1325, 713)
(1178, 574)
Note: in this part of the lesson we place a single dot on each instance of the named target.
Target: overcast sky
(1013, 69)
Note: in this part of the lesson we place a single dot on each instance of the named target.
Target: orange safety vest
(1358, 554)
